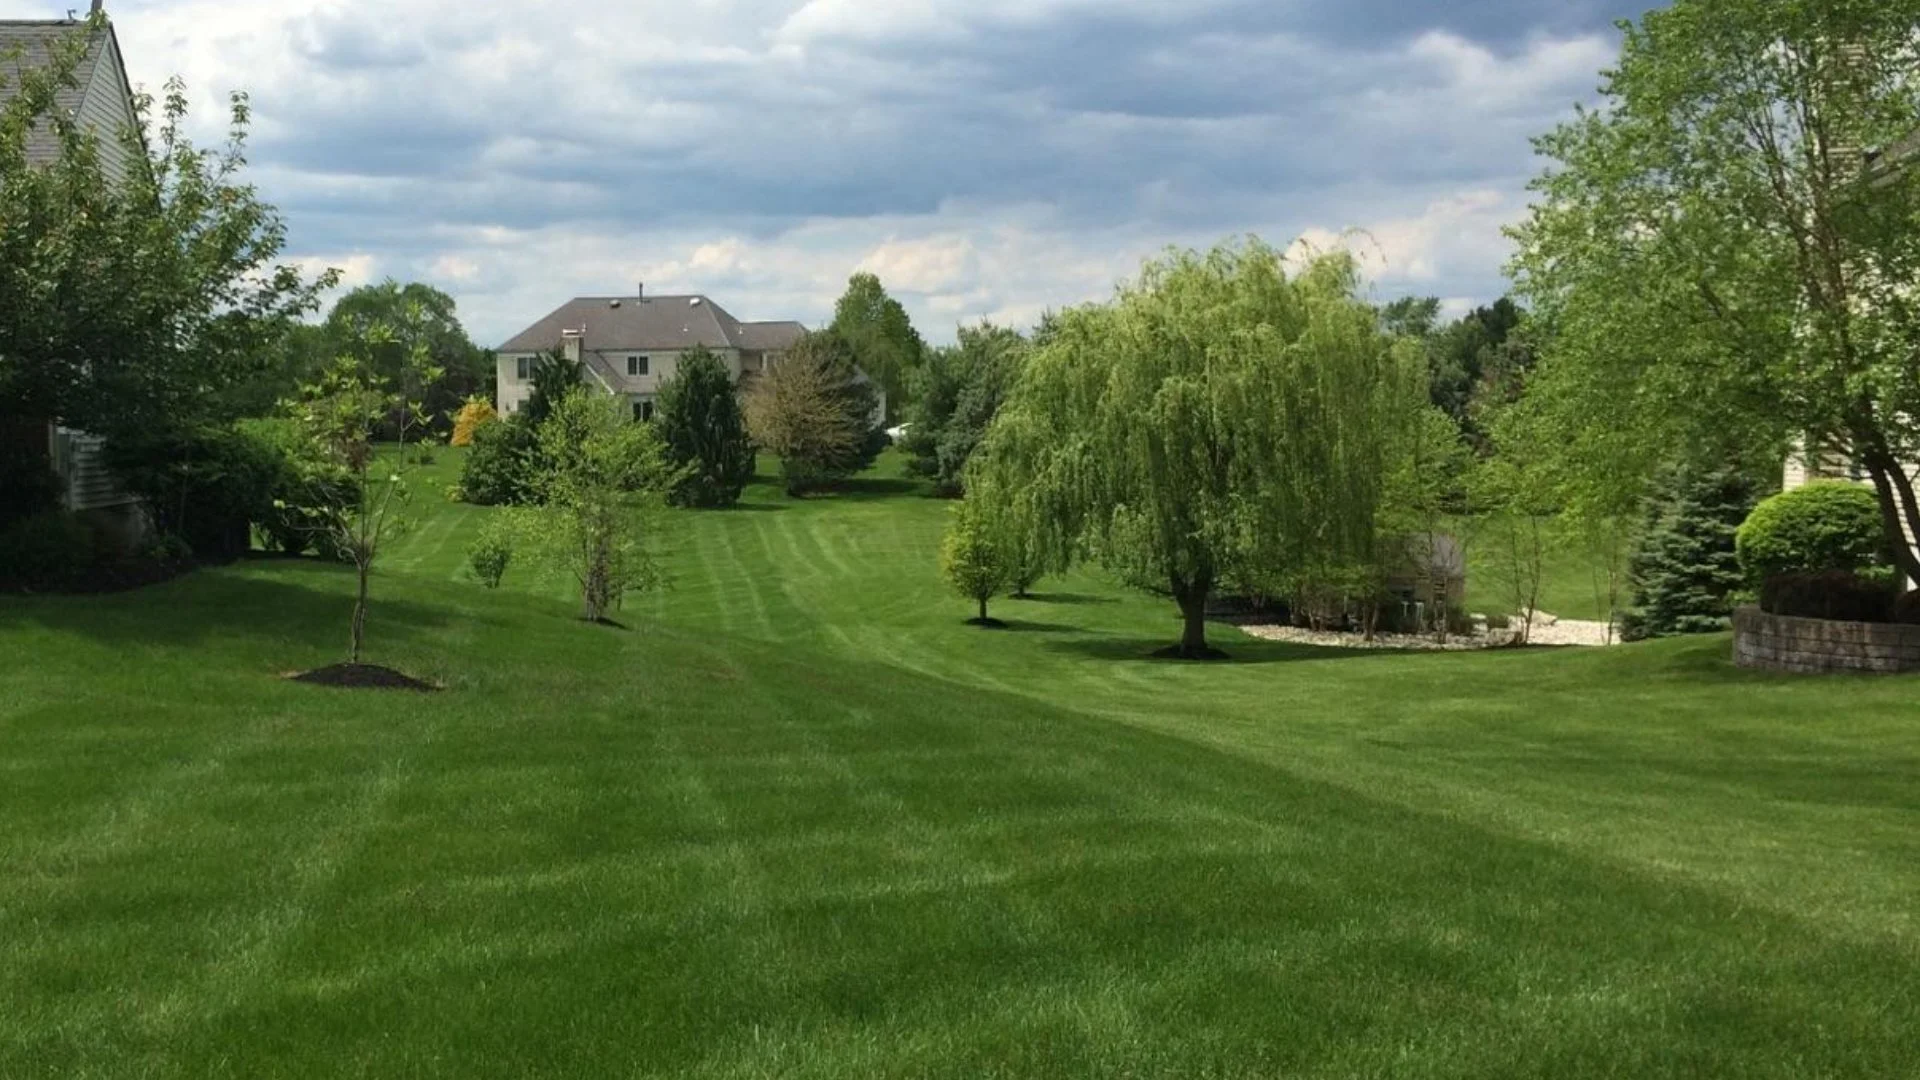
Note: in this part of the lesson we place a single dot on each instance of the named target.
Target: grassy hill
(800, 821)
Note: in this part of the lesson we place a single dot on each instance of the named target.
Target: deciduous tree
(815, 412)
(1220, 420)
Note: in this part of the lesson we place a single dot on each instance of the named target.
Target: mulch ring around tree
(364, 677)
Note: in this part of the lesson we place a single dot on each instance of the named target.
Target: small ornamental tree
(704, 432)
(475, 414)
(338, 415)
(972, 559)
(816, 413)
(603, 476)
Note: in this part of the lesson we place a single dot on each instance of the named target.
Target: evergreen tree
(1684, 570)
(704, 432)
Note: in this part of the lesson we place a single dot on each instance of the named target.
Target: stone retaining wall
(1814, 646)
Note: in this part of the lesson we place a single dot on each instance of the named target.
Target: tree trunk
(1192, 598)
(358, 635)
(983, 609)
(1882, 471)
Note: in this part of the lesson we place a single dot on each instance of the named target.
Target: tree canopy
(815, 411)
(1220, 420)
(956, 396)
(130, 299)
(885, 345)
(1728, 242)
(704, 432)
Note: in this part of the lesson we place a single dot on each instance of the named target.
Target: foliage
(27, 485)
(1831, 525)
(972, 559)
(554, 377)
(491, 553)
(503, 466)
(474, 415)
(207, 486)
(128, 296)
(1220, 421)
(338, 416)
(956, 395)
(1427, 466)
(48, 550)
(602, 477)
(1716, 250)
(816, 413)
(1684, 569)
(885, 345)
(383, 324)
(705, 434)
(1906, 609)
(1843, 595)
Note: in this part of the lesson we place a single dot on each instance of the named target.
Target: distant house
(630, 345)
(102, 101)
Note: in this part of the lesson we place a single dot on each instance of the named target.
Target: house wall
(104, 109)
(607, 369)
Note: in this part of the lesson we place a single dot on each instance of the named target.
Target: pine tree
(705, 434)
(1684, 569)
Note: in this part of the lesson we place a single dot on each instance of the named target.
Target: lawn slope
(800, 821)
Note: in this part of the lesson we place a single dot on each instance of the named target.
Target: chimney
(98, 6)
(640, 290)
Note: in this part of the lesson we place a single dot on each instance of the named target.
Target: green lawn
(800, 821)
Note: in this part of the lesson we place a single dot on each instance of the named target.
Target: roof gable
(101, 97)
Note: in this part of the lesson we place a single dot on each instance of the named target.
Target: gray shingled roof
(623, 323)
(28, 44)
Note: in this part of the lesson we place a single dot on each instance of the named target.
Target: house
(102, 101)
(630, 345)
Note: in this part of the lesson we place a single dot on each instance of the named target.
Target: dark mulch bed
(364, 677)
(987, 624)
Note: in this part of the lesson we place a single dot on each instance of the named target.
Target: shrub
(490, 555)
(1831, 594)
(206, 485)
(502, 468)
(49, 550)
(27, 488)
(1816, 528)
(1498, 621)
(1907, 608)
(474, 415)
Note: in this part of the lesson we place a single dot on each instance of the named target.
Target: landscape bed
(801, 820)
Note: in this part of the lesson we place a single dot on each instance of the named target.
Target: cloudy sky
(988, 158)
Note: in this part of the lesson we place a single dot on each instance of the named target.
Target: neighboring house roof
(612, 324)
(29, 44)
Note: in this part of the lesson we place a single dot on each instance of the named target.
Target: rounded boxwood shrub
(1809, 530)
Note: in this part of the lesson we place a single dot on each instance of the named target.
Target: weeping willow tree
(1219, 421)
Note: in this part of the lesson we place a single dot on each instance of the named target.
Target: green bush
(1907, 609)
(502, 466)
(1820, 527)
(1832, 594)
(27, 488)
(490, 555)
(700, 422)
(208, 485)
(49, 550)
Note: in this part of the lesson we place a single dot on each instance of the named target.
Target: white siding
(106, 110)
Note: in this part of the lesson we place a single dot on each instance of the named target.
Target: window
(524, 368)
(646, 410)
(636, 365)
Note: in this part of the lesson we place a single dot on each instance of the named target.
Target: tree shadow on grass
(1148, 650)
(1063, 599)
(303, 600)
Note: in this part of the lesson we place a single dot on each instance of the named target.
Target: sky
(986, 158)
